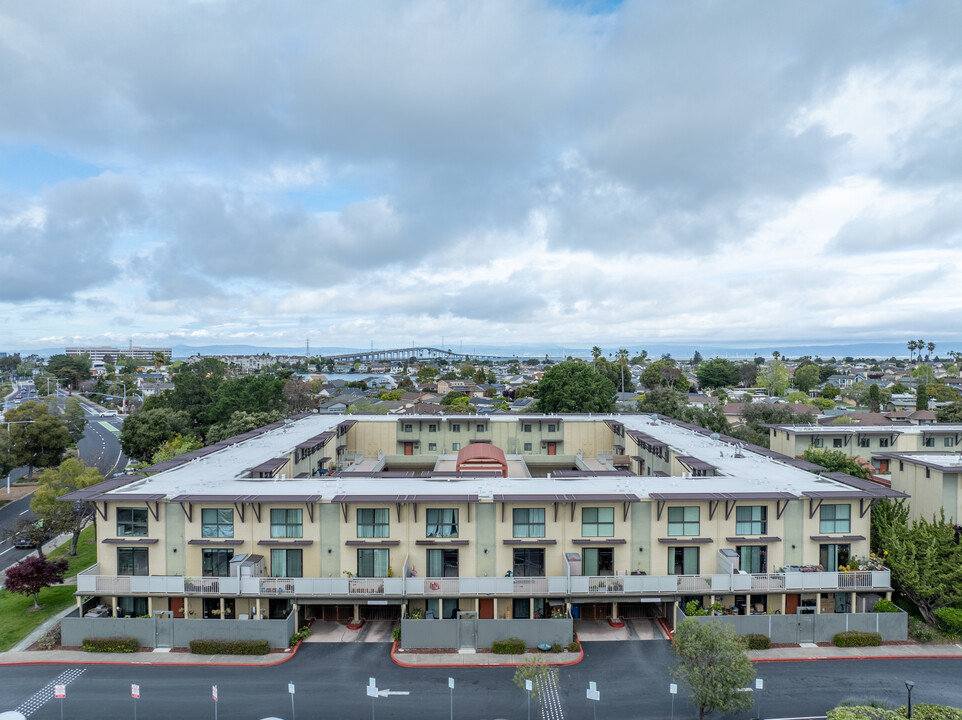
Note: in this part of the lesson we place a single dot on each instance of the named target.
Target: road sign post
(759, 685)
(290, 689)
(135, 694)
(594, 694)
(60, 691)
(673, 689)
(450, 686)
(528, 686)
(372, 693)
(213, 695)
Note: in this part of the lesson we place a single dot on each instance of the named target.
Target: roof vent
(715, 436)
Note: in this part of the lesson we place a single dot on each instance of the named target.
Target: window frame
(755, 526)
(137, 528)
(839, 523)
(373, 554)
(218, 524)
(597, 526)
(683, 550)
(380, 521)
(137, 555)
(289, 527)
(686, 522)
(527, 522)
(289, 553)
(208, 564)
(440, 523)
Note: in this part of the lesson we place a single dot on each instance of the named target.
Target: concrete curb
(280, 661)
(838, 658)
(578, 659)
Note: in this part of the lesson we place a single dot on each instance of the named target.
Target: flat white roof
(855, 428)
(947, 460)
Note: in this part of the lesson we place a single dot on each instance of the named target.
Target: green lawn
(16, 623)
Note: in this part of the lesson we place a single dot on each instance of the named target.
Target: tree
(615, 372)
(176, 445)
(874, 398)
(911, 345)
(696, 358)
(453, 396)
(540, 673)
(714, 664)
(950, 413)
(798, 397)
(32, 574)
(837, 461)
(663, 401)
(924, 374)
(480, 377)
(941, 392)
(664, 372)
(75, 419)
(144, 433)
(747, 374)
(297, 396)
(640, 359)
(830, 392)
(251, 393)
(40, 443)
(622, 355)
(195, 385)
(70, 369)
(755, 415)
(240, 422)
(925, 560)
(64, 516)
(595, 354)
(405, 383)
(807, 377)
(574, 387)
(426, 373)
(823, 403)
(921, 398)
(718, 372)
(774, 377)
(159, 360)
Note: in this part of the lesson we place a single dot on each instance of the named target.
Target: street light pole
(908, 686)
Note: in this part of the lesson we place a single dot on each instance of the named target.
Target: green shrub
(397, 633)
(300, 635)
(556, 648)
(950, 620)
(921, 630)
(573, 646)
(111, 644)
(757, 641)
(924, 711)
(863, 712)
(856, 638)
(50, 639)
(230, 647)
(511, 646)
(885, 606)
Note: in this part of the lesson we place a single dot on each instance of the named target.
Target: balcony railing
(90, 582)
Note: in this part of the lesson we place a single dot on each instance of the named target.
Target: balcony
(90, 582)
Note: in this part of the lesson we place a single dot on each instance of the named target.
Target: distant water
(347, 377)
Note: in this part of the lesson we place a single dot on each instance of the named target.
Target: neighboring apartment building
(97, 354)
(503, 516)
(933, 479)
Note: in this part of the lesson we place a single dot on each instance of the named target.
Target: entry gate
(467, 630)
(805, 628)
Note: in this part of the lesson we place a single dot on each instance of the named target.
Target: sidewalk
(157, 657)
(883, 652)
(487, 659)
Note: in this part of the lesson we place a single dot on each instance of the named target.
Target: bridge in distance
(419, 353)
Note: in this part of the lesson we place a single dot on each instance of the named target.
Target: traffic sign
(214, 692)
(528, 686)
(135, 692)
(451, 683)
(60, 691)
(759, 684)
(673, 689)
(371, 691)
(290, 688)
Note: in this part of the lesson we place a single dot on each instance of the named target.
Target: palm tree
(596, 353)
(920, 344)
(911, 345)
(158, 360)
(623, 361)
(931, 347)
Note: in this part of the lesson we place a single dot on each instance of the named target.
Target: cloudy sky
(490, 172)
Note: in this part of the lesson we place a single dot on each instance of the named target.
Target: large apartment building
(503, 516)
(97, 354)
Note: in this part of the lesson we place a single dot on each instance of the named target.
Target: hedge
(511, 646)
(950, 619)
(757, 641)
(111, 644)
(885, 606)
(230, 647)
(920, 711)
(855, 638)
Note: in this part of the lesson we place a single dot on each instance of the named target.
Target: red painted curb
(581, 655)
(668, 632)
(616, 624)
(859, 657)
(282, 660)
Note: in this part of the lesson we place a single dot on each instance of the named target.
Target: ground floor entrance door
(177, 607)
(552, 448)
(486, 609)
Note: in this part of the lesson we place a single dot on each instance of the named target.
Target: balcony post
(257, 606)
(852, 603)
(221, 607)
(783, 600)
(150, 605)
(614, 610)
(818, 603)
(80, 606)
(357, 613)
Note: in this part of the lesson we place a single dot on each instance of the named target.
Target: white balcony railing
(90, 582)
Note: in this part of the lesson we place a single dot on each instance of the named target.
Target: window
(947, 442)
(883, 442)
(455, 446)
(287, 563)
(527, 447)
(132, 522)
(442, 523)
(480, 428)
(599, 561)
(432, 428)
(432, 446)
(373, 562)
(901, 466)
(528, 522)
(835, 518)
(132, 561)
(215, 562)
(864, 442)
(754, 558)
(373, 523)
(929, 442)
(683, 521)
(442, 563)
(683, 561)
(456, 427)
(598, 522)
(837, 443)
(131, 607)
(832, 556)
(408, 427)
(529, 562)
(527, 427)
(286, 523)
(818, 442)
(217, 523)
(928, 472)
(751, 520)
(551, 427)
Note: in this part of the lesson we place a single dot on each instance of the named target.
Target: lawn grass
(16, 623)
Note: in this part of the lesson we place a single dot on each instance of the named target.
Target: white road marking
(25, 511)
(6, 551)
(45, 694)
(550, 698)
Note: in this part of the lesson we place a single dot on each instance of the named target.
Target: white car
(108, 413)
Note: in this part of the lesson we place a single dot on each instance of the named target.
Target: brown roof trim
(724, 496)
(823, 538)
(609, 541)
(214, 543)
(566, 497)
(246, 498)
(129, 541)
(754, 539)
(285, 541)
(682, 541)
(442, 543)
(372, 543)
(530, 542)
(404, 498)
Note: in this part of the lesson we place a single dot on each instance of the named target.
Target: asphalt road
(10, 514)
(330, 681)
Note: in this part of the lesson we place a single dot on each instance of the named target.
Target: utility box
(728, 562)
(247, 565)
(574, 563)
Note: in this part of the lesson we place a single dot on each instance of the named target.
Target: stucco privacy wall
(800, 628)
(417, 634)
